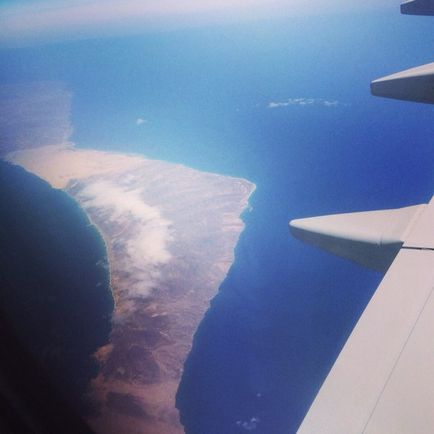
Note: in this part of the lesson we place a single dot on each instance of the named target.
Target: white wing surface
(383, 380)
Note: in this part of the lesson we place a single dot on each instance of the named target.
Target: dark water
(270, 336)
(53, 279)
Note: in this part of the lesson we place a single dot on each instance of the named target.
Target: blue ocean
(285, 104)
(55, 289)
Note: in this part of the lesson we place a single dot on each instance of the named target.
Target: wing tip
(418, 7)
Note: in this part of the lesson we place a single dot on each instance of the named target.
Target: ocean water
(54, 280)
(285, 309)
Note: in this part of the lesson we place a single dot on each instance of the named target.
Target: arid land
(170, 233)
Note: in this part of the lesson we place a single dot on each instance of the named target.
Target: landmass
(170, 233)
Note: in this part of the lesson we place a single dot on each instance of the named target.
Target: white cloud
(331, 103)
(249, 425)
(140, 121)
(305, 102)
(141, 246)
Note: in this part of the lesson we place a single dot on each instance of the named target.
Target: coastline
(9, 157)
(169, 234)
(103, 239)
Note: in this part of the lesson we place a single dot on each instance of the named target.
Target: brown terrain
(170, 233)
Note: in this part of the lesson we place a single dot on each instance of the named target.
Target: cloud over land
(148, 249)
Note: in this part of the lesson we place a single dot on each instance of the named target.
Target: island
(170, 233)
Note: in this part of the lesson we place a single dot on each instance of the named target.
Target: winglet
(371, 238)
(415, 84)
(418, 7)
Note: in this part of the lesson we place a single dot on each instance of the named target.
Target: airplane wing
(415, 84)
(383, 380)
(418, 7)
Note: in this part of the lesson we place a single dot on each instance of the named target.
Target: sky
(37, 21)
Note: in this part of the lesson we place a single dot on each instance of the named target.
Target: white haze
(48, 21)
(146, 247)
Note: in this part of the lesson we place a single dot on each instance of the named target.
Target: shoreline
(69, 145)
(169, 235)
(74, 146)
(103, 239)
